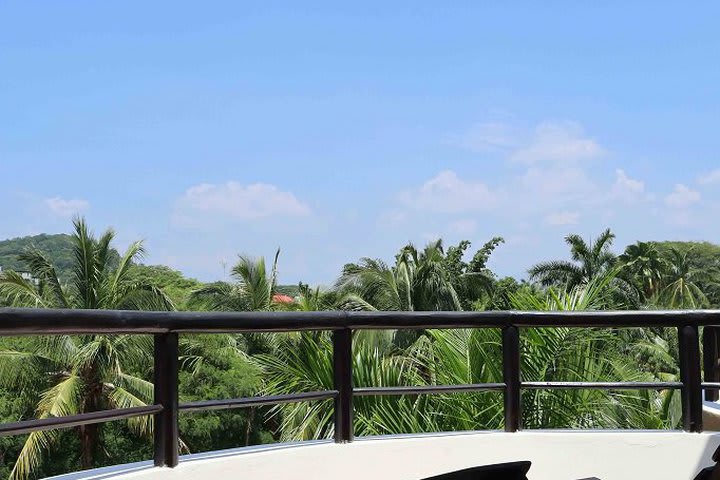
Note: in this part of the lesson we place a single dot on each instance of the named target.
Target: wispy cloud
(562, 218)
(234, 200)
(628, 189)
(709, 178)
(558, 143)
(448, 193)
(682, 197)
(66, 207)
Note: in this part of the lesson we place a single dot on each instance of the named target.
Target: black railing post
(342, 374)
(165, 431)
(710, 361)
(689, 343)
(511, 377)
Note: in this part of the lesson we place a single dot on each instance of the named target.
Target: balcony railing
(165, 326)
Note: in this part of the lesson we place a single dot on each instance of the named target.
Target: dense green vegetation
(42, 376)
(58, 248)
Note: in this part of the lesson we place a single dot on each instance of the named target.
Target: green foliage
(68, 375)
(589, 259)
(176, 286)
(702, 262)
(83, 271)
(57, 247)
(420, 280)
(224, 372)
(643, 266)
(253, 290)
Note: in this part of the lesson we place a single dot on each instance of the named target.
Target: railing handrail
(165, 326)
(33, 321)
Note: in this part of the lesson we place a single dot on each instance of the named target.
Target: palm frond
(44, 271)
(31, 455)
(134, 252)
(119, 397)
(18, 292)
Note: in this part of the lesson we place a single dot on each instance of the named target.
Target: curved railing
(165, 326)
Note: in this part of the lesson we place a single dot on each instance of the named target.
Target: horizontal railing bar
(602, 385)
(19, 321)
(711, 385)
(28, 426)
(426, 389)
(256, 401)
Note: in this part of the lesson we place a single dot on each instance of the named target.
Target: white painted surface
(711, 416)
(556, 455)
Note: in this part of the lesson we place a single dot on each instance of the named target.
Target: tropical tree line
(43, 377)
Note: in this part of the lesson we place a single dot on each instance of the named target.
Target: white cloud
(627, 184)
(448, 193)
(626, 188)
(560, 143)
(562, 218)
(682, 197)
(487, 137)
(709, 178)
(66, 208)
(237, 201)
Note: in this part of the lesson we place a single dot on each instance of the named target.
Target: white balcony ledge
(555, 455)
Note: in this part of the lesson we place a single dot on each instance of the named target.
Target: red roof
(280, 298)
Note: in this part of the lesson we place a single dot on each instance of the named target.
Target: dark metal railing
(166, 326)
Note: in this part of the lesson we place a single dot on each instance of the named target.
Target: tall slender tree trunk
(89, 433)
(249, 424)
(88, 444)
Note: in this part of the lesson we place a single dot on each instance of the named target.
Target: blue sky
(340, 131)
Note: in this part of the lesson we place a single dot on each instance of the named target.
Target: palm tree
(84, 373)
(589, 259)
(419, 281)
(467, 356)
(644, 265)
(253, 291)
(313, 300)
(682, 281)
(472, 280)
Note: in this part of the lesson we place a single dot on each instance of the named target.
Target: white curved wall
(556, 455)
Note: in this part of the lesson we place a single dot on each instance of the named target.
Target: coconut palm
(682, 281)
(472, 280)
(78, 374)
(304, 363)
(419, 281)
(601, 355)
(253, 290)
(643, 264)
(310, 300)
(589, 259)
(443, 357)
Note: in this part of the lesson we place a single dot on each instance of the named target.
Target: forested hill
(58, 248)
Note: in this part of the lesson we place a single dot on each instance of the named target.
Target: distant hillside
(57, 247)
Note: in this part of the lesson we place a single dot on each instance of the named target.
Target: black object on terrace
(498, 471)
(165, 326)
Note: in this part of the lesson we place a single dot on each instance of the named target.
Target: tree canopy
(53, 376)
